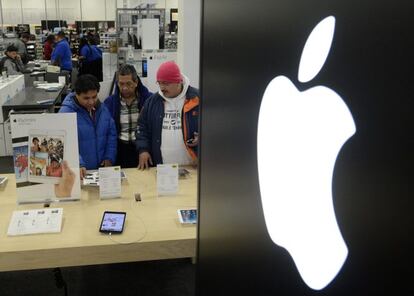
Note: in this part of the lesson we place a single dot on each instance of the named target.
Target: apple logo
(298, 140)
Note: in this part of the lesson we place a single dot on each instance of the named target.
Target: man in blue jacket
(62, 55)
(97, 135)
(168, 123)
(125, 106)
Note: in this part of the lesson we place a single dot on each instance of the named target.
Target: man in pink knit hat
(168, 124)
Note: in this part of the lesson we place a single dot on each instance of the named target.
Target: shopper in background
(168, 124)
(62, 55)
(125, 106)
(97, 137)
(93, 38)
(48, 47)
(20, 44)
(11, 62)
(90, 59)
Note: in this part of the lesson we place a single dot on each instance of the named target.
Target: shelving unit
(127, 24)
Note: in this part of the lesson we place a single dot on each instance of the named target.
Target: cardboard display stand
(45, 156)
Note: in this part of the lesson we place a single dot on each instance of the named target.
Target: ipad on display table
(112, 222)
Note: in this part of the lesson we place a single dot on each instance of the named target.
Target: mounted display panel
(307, 148)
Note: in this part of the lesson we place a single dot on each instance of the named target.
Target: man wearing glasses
(125, 106)
(168, 125)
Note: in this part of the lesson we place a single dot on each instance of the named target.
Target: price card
(167, 179)
(35, 221)
(110, 182)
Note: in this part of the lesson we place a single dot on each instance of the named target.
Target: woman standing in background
(90, 59)
(48, 47)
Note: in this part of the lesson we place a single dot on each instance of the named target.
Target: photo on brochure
(20, 161)
(46, 154)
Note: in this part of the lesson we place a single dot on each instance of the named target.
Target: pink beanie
(169, 72)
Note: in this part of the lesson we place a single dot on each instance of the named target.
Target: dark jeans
(127, 155)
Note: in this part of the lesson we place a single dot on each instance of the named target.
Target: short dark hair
(61, 34)
(11, 47)
(25, 36)
(50, 37)
(127, 69)
(86, 83)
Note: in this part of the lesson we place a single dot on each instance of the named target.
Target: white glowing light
(299, 137)
(316, 49)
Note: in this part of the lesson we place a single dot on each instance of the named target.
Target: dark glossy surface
(245, 44)
(28, 100)
(29, 97)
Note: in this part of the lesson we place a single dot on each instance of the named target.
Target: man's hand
(144, 161)
(106, 163)
(82, 172)
(194, 141)
(18, 57)
(64, 188)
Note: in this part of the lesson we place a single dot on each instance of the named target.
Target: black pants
(94, 68)
(127, 155)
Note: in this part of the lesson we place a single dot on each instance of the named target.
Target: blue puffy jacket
(97, 141)
(150, 124)
(91, 53)
(113, 102)
(62, 55)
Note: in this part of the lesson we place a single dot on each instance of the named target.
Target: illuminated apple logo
(299, 137)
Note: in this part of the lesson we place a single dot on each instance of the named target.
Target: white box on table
(8, 138)
(2, 141)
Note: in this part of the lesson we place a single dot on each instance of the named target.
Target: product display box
(46, 159)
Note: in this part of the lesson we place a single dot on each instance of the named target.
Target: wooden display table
(154, 220)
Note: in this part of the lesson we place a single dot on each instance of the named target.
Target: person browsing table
(97, 134)
(168, 124)
(125, 106)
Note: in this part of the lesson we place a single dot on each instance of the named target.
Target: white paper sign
(167, 179)
(110, 182)
(62, 80)
(36, 221)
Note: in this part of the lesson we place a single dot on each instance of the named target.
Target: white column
(189, 31)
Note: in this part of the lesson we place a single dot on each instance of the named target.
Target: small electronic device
(92, 178)
(3, 181)
(144, 68)
(188, 216)
(182, 172)
(46, 154)
(112, 222)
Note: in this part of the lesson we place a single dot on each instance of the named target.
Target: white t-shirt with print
(173, 148)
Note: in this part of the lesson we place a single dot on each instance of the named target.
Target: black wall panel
(245, 44)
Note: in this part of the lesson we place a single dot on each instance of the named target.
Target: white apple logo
(299, 137)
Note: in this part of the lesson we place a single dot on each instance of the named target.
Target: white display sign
(167, 179)
(154, 61)
(149, 32)
(35, 221)
(2, 141)
(110, 182)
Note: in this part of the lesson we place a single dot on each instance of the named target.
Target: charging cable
(143, 235)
